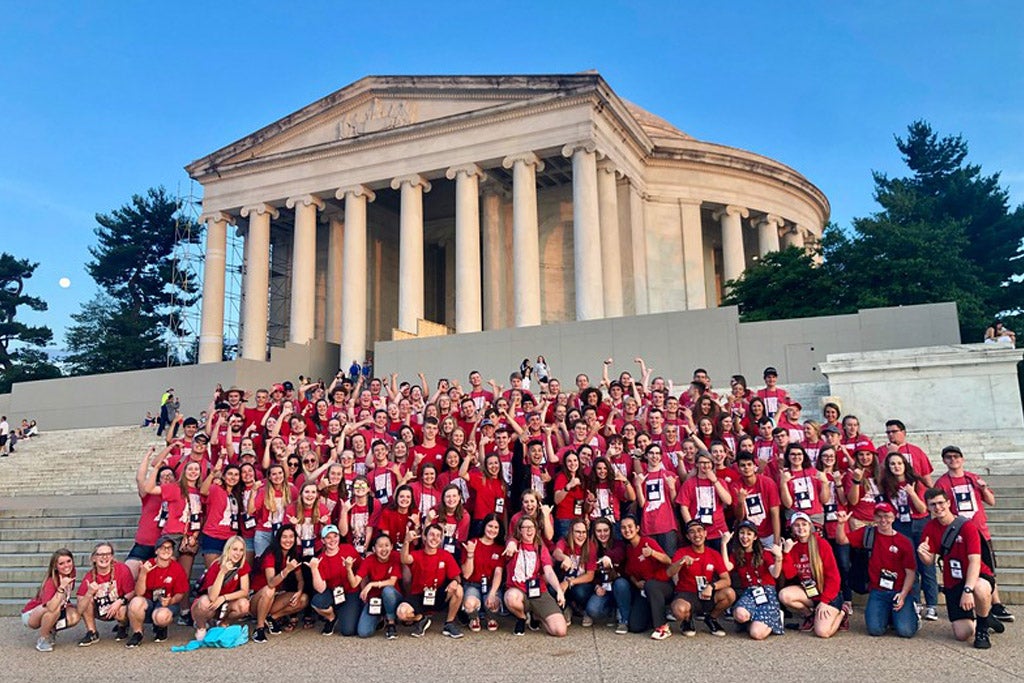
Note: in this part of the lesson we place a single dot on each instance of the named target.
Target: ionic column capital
(580, 146)
(731, 210)
(305, 200)
(414, 180)
(609, 167)
(525, 158)
(355, 191)
(259, 210)
(217, 217)
(771, 219)
(469, 170)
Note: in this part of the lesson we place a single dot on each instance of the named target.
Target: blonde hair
(227, 548)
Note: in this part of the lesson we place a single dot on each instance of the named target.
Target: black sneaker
(121, 632)
(328, 629)
(981, 641)
(533, 623)
(452, 630)
(714, 628)
(995, 626)
(273, 628)
(520, 628)
(89, 638)
(420, 627)
(259, 635)
(463, 618)
(390, 632)
(135, 640)
(159, 634)
(687, 628)
(1000, 612)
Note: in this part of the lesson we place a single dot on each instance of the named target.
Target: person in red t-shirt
(645, 566)
(755, 571)
(50, 610)
(967, 582)
(528, 569)
(482, 573)
(435, 583)
(334, 580)
(379, 573)
(756, 499)
(161, 587)
(104, 594)
(279, 585)
(810, 568)
(702, 582)
(705, 498)
(891, 569)
(224, 591)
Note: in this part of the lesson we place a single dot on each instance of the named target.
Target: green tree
(21, 356)
(126, 327)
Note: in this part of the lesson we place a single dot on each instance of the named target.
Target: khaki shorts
(544, 606)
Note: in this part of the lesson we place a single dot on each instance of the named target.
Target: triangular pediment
(379, 104)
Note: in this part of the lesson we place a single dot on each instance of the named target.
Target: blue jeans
(878, 614)
(926, 578)
(842, 553)
(669, 542)
(368, 622)
(562, 527)
(579, 595)
(619, 599)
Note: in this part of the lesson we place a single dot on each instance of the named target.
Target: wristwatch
(968, 590)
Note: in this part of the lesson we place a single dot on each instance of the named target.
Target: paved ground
(595, 654)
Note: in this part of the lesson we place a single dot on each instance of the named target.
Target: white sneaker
(931, 614)
(587, 621)
(44, 644)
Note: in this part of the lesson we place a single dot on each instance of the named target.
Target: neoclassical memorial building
(480, 203)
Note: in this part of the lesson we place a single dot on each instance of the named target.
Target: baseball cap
(770, 371)
(329, 529)
(830, 429)
(166, 538)
(885, 507)
(798, 516)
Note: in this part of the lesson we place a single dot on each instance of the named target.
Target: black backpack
(857, 576)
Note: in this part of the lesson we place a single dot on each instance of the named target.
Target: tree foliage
(125, 327)
(944, 233)
(21, 359)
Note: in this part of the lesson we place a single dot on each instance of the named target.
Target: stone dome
(656, 127)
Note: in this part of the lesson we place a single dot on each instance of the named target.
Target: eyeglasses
(103, 554)
(293, 464)
(893, 431)
(309, 462)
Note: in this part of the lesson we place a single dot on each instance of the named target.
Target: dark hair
(935, 492)
(897, 424)
(501, 526)
(887, 482)
(274, 550)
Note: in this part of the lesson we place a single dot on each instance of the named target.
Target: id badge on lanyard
(760, 597)
(339, 595)
(810, 588)
(429, 597)
(887, 580)
(754, 506)
(375, 607)
(449, 544)
(307, 547)
(653, 489)
(499, 505)
(533, 588)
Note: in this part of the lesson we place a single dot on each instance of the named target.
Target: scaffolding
(187, 258)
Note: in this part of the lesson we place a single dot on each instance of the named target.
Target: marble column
(525, 237)
(693, 255)
(494, 259)
(211, 330)
(353, 273)
(611, 256)
(733, 260)
(335, 256)
(410, 254)
(768, 234)
(468, 316)
(303, 308)
(257, 280)
(638, 234)
(586, 224)
(793, 237)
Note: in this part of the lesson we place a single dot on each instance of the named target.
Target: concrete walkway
(595, 654)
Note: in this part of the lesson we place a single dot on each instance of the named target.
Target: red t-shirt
(118, 583)
(222, 520)
(707, 567)
(756, 503)
(432, 570)
(572, 505)
(657, 516)
(579, 567)
(332, 567)
(171, 579)
(373, 570)
(864, 510)
(228, 586)
(644, 568)
(965, 499)
(918, 459)
(486, 559)
(701, 498)
(755, 576)
(954, 565)
(265, 519)
(149, 519)
(46, 594)
(526, 564)
(486, 494)
(393, 523)
(891, 558)
(805, 490)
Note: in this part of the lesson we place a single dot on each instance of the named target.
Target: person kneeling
(279, 589)
(435, 583)
(335, 584)
(891, 570)
(703, 585)
(756, 570)
(105, 594)
(810, 567)
(159, 590)
(224, 591)
(51, 610)
(528, 569)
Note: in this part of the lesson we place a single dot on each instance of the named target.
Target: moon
(64, 282)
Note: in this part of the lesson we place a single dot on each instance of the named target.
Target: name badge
(803, 500)
(533, 588)
(162, 519)
(429, 597)
(449, 544)
(705, 515)
(499, 505)
(904, 511)
(760, 598)
(483, 586)
(831, 512)
(754, 506)
(608, 512)
(194, 523)
(653, 489)
(956, 570)
(339, 595)
(810, 588)
(964, 502)
(374, 607)
(275, 526)
(381, 495)
(702, 583)
(887, 580)
(250, 522)
(307, 547)
(577, 509)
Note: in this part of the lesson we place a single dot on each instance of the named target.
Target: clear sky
(101, 100)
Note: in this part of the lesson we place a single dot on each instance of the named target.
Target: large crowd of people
(368, 507)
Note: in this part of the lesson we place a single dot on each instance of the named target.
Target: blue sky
(100, 100)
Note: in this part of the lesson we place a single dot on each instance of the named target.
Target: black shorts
(697, 606)
(142, 553)
(440, 602)
(953, 595)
